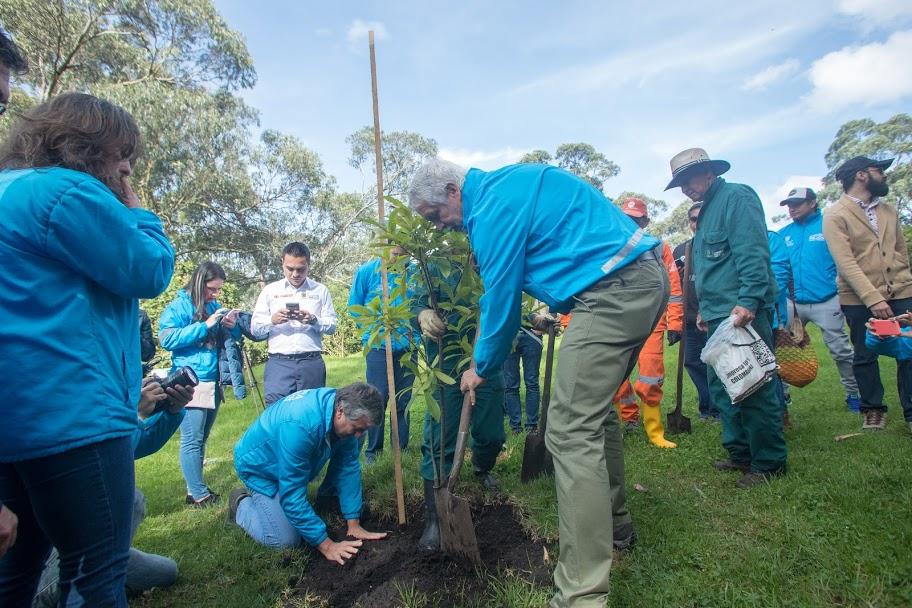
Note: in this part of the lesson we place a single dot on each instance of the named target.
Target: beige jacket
(872, 267)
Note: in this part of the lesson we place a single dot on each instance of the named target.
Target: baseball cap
(799, 195)
(634, 207)
(859, 163)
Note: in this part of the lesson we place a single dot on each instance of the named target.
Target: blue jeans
(194, 432)
(81, 502)
(529, 350)
(144, 570)
(694, 341)
(376, 376)
(264, 520)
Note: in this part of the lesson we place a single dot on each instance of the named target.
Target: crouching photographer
(161, 410)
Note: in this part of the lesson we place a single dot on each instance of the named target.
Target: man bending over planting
(285, 449)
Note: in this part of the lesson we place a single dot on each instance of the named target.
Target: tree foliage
(889, 139)
(402, 152)
(581, 159)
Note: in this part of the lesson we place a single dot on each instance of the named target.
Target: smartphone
(885, 328)
(294, 309)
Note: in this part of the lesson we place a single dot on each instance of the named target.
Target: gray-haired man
(286, 448)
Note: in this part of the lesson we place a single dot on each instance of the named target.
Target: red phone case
(885, 327)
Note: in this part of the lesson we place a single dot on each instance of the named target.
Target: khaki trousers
(611, 321)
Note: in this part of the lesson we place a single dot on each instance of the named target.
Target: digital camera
(182, 376)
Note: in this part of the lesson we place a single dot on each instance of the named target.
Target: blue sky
(764, 85)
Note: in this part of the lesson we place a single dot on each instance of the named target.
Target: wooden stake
(384, 278)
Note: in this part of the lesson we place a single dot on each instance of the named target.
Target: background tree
(674, 228)
(889, 139)
(402, 151)
(581, 159)
(655, 206)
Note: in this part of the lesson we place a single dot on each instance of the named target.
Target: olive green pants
(486, 429)
(611, 321)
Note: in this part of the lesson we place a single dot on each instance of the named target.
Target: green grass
(836, 531)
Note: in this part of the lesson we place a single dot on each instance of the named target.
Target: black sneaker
(234, 499)
(756, 478)
(210, 500)
(487, 480)
(624, 537)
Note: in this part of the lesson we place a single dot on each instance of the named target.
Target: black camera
(182, 376)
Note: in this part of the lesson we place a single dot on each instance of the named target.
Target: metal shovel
(676, 421)
(457, 532)
(536, 459)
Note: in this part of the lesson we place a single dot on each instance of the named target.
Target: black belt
(313, 354)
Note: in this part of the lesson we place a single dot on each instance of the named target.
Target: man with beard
(294, 313)
(733, 277)
(866, 241)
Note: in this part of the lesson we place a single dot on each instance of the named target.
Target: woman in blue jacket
(76, 250)
(192, 327)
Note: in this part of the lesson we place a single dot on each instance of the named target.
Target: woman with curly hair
(77, 250)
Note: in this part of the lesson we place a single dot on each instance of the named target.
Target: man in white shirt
(294, 313)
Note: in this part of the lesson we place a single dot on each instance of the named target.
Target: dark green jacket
(731, 258)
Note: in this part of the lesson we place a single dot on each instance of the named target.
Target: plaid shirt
(868, 208)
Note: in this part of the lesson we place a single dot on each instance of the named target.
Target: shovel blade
(457, 532)
(678, 423)
(535, 458)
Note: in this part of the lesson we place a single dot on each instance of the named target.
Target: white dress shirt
(294, 337)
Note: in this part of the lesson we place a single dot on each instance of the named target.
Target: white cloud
(876, 11)
(771, 199)
(774, 73)
(482, 159)
(357, 32)
(866, 75)
(686, 52)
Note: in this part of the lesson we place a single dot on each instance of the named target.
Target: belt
(650, 255)
(313, 354)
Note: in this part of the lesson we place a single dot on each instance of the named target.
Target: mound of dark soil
(381, 571)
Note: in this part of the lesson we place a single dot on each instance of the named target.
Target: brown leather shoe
(728, 465)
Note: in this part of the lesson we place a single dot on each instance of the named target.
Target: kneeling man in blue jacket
(286, 448)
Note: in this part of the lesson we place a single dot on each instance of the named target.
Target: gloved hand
(432, 326)
(543, 322)
(673, 337)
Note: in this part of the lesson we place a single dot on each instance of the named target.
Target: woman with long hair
(192, 327)
(76, 250)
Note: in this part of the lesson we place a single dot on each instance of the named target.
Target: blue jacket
(287, 447)
(898, 347)
(74, 261)
(186, 338)
(545, 231)
(154, 432)
(367, 287)
(813, 268)
(782, 272)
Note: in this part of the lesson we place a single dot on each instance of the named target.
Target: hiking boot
(624, 537)
(873, 420)
(488, 481)
(853, 403)
(234, 499)
(728, 465)
(430, 538)
(756, 478)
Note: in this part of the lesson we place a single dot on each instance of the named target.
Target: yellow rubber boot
(654, 429)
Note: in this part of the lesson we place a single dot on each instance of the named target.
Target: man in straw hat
(733, 277)
(542, 230)
(866, 240)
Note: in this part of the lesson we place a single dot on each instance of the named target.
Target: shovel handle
(549, 365)
(464, 418)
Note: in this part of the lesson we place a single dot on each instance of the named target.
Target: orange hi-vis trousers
(651, 364)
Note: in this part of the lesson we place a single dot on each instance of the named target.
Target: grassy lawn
(836, 531)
